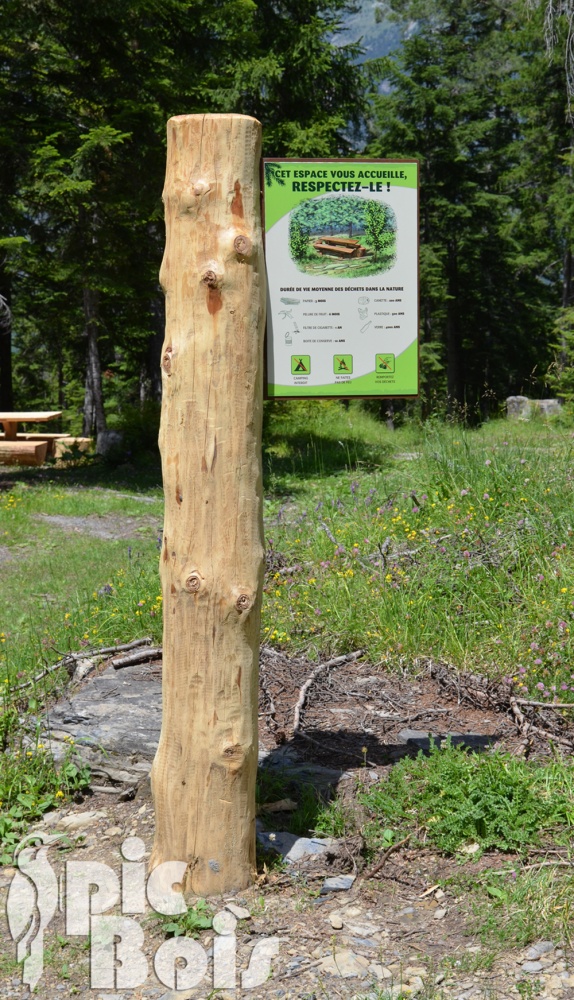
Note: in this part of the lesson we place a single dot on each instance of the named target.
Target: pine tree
(446, 104)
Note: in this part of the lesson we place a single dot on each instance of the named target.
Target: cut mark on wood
(237, 203)
(214, 301)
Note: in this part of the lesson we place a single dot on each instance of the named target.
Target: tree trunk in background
(566, 299)
(94, 416)
(154, 346)
(211, 567)
(6, 390)
(453, 346)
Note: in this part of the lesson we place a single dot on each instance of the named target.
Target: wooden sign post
(203, 776)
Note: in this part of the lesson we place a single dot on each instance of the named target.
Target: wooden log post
(203, 776)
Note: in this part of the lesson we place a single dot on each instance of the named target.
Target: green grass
(426, 541)
(30, 785)
(516, 905)
(452, 798)
(463, 553)
(59, 585)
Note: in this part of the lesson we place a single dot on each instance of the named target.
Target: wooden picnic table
(10, 420)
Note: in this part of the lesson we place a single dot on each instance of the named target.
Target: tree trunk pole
(211, 566)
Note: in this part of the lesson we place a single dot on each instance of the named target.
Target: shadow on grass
(309, 455)
(145, 474)
(286, 455)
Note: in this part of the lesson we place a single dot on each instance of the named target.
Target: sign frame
(354, 162)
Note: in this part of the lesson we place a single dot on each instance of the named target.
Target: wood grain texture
(211, 565)
(22, 452)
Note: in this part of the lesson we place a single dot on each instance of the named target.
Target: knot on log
(242, 245)
(210, 279)
(193, 583)
(200, 187)
(243, 602)
(166, 361)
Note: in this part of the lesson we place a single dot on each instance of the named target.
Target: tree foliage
(449, 103)
(479, 93)
(87, 89)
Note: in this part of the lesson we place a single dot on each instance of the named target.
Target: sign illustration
(341, 246)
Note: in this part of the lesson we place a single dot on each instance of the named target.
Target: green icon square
(385, 363)
(300, 364)
(343, 364)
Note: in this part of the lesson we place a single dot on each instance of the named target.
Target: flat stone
(345, 965)
(416, 970)
(113, 831)
(532, 967)
(80, 821)
(439, 914)
(554, 983)
(362, 930)
(338, 883)
(470, 848)
(539, 949)
(117, 710)
(416, 982)
(379, 971)
(358, 942)
(241, 912)
(294, 848)
(335, 921)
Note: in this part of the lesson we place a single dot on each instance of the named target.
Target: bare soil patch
(396, 929)
(106, 526)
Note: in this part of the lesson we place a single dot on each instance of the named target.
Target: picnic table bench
(27, 449)
(336, 246)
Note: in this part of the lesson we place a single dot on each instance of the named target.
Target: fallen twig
(337, 661)
(545, 704)
(522, 725)
(548, 864)
(394, 847)
(152, 653)
(68, 659)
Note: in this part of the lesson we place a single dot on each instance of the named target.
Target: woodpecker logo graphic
(86, 893)
(32, 903)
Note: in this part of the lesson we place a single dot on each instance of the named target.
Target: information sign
(341, 248)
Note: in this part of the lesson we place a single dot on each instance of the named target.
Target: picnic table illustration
(336, 246)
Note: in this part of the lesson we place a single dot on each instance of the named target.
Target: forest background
(468, 88)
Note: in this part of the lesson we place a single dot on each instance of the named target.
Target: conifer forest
(478, 92)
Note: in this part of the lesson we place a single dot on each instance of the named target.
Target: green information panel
(341, 248)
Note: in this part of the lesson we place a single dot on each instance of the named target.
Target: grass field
(426, 541)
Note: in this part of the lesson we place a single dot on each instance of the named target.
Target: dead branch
(141, 656)
(545, 704)
(522, 725)
(337, 661)
(548, 864)
(394, 847)
(68, 660)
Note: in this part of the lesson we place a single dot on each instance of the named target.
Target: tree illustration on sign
(344, 235)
